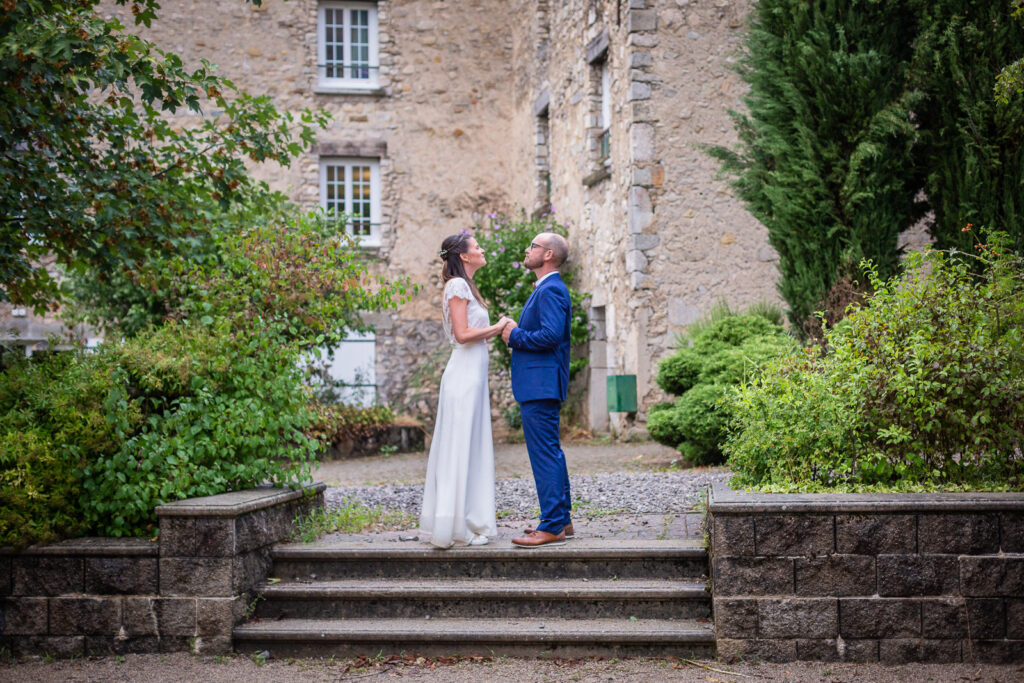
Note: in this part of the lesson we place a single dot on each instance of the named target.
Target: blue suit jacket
(540, 345)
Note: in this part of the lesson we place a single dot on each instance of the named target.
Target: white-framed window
(353, 368)
(346, 45)
(350, 188)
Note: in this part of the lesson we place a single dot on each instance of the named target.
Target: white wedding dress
(458, 497)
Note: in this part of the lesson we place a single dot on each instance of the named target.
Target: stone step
(529, 637)
(578, 558)
(481, 598)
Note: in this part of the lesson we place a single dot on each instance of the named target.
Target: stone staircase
(588, 597)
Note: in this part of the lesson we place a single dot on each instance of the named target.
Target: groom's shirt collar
(537, 283)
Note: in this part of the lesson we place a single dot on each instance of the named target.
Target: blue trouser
(550, 474)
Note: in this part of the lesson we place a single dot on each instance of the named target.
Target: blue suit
(540, 382)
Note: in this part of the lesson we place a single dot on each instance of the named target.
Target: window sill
(375, 91)
(597, 176)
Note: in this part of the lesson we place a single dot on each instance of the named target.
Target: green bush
(725, 349)
(213, 400)
(922, 388)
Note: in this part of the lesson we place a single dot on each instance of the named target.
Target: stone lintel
(235, 503)
(541, 104)
(597, 49)
(724, 500)
(368, 148)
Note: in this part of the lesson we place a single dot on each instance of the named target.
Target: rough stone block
(206, 576)
(1011, 526)
(735, 618)
(797, 618)
(861, 650)
(958, 618)
(640, 58)
(992, 575)
(835, 575)
(818, 650)
(903, 650)
(635, 261)
(176, 616)
(958, 534)
(257, 529)
(23, 616)
(217, 645)
(177, 536)
(907, 575)
(57, 646)
(794, 534)
(139, 617)
(644, 242)
(732, 535)
(641, 144)
(218, 616)
(47, 575)
(120, 575)
(879, 618)
(5, 576)
(762, 650)
(115, 645)
(176, 643)
(1015, 618)
(215, 537)
(639, 91)
(876, 534)
(85, 616)
(641, 20)
(752, 575)
(994, 651)
(249, 571)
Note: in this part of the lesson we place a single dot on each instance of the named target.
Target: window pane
(360, 43)
(334, 43)
(361, 200)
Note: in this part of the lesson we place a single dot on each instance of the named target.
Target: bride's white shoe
(479, 539)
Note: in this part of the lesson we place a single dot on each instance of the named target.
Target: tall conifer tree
(972, 145)
(826, 156)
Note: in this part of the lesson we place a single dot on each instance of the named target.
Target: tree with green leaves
(99, 171)
(826, 148)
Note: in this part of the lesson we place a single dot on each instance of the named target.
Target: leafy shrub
(922, 388)
(725, 348)
(211, 401)
(338, 422)
(505, 284)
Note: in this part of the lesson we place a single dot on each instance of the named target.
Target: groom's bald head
(557, 244)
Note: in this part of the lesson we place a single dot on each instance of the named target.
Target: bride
(458, 497)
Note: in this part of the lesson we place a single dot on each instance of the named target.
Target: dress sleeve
(457, 287)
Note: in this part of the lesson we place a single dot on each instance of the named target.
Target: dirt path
(182, 667)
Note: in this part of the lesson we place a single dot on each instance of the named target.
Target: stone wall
(865, 578)
(185, 592)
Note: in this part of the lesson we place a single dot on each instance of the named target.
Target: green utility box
(621, 393)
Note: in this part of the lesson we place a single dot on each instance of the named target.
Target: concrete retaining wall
(184, 592)
(864, 578)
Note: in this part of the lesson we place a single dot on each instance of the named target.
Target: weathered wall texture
(655, 237)
(867, 578)
(185, 593)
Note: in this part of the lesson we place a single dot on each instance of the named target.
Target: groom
(540, 381)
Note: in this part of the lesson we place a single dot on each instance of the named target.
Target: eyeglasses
(534, 245)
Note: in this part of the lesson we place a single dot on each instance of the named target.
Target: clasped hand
(509, 325)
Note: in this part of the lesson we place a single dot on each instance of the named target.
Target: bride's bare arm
(461, 329)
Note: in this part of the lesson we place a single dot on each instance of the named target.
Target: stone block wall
(184, 592)
(866, 578)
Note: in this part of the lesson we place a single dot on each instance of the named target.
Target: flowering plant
(506, 284)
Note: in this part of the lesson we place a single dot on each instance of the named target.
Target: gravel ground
(646, 493)
(182, 667)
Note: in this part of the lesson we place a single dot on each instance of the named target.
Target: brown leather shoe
(567, 530)
(536, 539)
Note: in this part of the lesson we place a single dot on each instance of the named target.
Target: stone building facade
(447, 110)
